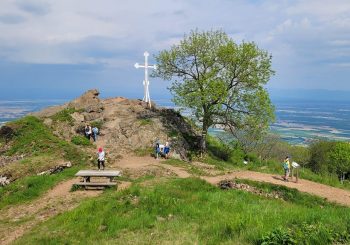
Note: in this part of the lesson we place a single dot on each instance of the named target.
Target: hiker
(88, 131)
(94, 133)
(286, 167)
(166, 150)
(101, 159)
(157, 149)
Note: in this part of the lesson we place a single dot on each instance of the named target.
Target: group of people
(91, 132)
(162, 150)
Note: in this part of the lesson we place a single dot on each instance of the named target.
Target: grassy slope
(188, 211)
(43, 149)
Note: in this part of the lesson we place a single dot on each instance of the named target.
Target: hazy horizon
(275, 94)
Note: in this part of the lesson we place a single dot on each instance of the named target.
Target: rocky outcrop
(126, 125)
(89, 102)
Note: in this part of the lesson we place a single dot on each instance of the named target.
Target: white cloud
(299, 34)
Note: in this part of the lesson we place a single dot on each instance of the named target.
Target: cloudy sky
(61, 48)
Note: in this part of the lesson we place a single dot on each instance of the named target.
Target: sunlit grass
(190, 211)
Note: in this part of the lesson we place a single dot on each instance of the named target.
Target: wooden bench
(88, 174)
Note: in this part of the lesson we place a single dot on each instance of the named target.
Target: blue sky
(59, 49)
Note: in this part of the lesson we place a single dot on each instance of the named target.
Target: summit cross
(146, 97)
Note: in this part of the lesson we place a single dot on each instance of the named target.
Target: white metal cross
(146, 96)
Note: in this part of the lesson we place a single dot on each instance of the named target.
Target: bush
(319, 157)
(306, 234)
(145, 121)
(80, 140)
(277, 237)
(98, 124)
(64, 115)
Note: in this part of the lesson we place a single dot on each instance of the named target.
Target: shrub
(339, 157)
(319, 159)
(80, 140)
(173, 133)
(98, 124)
(277, 237)
(64, 115)
(306, 234)
(145, 121)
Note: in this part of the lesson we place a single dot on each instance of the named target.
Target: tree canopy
(219, 80)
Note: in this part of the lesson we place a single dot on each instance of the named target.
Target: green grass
(288, 194)
(191, 211)
(33, 138)
(80, 140)
(194, 170)
(31, 187)
(43, 150)
(142, 152)
(145, 121)
(64, 116)
(98, 124)
(173, 133)
(30, 165)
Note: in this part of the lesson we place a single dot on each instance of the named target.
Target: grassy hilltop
(159, 207)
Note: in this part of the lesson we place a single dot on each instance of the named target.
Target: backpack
(285, 166)
(95, 130)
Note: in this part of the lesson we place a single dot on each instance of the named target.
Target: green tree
(219, 80)
(319, 156)
(340, 158)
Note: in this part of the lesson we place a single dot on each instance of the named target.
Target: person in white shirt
(101, 159)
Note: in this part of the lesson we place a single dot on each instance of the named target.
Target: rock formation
(126, 125)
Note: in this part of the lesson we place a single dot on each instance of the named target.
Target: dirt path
(332, 194)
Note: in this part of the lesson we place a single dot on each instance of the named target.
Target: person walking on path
(286, 167)
(101, 159)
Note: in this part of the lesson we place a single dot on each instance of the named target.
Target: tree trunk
(203, 143)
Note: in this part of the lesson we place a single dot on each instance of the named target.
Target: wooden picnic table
(87, 174)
